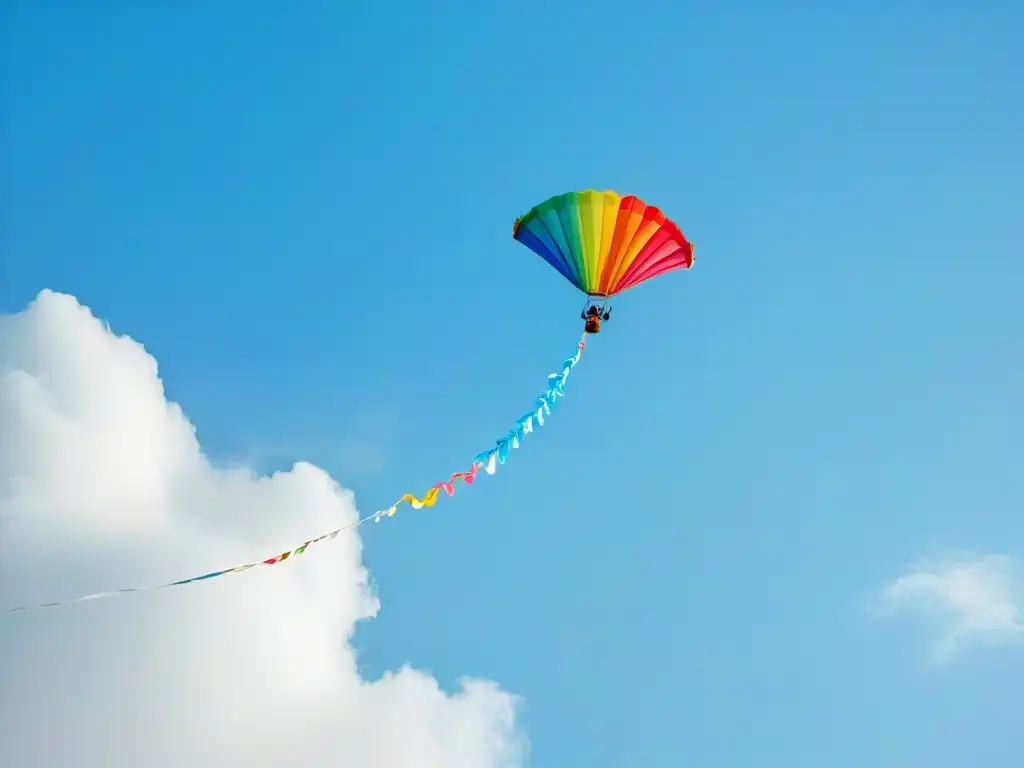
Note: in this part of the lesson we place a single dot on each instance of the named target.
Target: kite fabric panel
(487, 460)
(604, 243)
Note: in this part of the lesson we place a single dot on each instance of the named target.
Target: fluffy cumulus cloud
(970, 599)
(102, 483)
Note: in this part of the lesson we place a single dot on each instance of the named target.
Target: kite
(603, 244)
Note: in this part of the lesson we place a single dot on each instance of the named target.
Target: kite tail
(487, 460)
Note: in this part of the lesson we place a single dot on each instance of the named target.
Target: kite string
(488, 459)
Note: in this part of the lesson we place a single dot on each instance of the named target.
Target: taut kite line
(602, 243)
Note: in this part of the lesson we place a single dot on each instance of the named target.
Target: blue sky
(305, 216)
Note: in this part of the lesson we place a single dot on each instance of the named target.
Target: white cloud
(103, 484)
(971, 598)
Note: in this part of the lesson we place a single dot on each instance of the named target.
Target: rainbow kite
(603, 244)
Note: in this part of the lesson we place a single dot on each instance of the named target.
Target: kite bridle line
(493, 456)
(605, 302)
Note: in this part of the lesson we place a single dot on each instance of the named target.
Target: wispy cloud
(969, 598)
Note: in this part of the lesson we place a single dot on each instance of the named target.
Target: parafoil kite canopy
(604, 243)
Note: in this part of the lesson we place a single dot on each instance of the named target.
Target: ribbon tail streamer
(487, 460)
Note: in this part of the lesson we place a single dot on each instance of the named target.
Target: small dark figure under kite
(593, 319)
